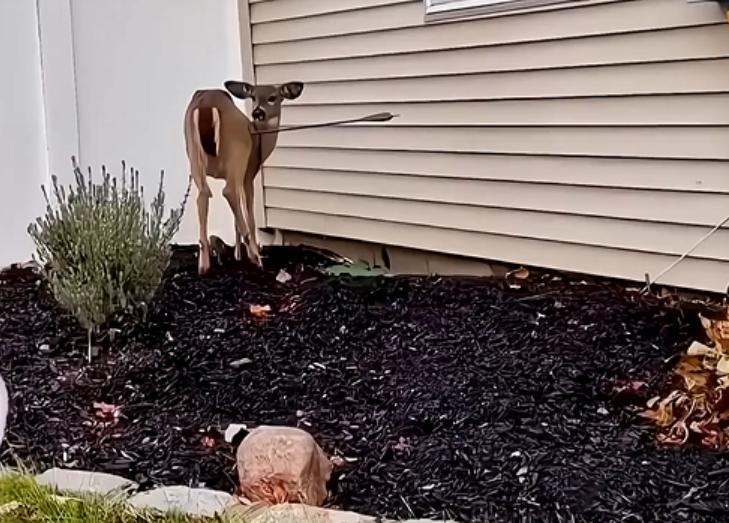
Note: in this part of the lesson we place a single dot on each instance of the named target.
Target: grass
(23, 500)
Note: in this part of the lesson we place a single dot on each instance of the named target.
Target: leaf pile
(696, 410)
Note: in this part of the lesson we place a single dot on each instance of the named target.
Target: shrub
(100, 249)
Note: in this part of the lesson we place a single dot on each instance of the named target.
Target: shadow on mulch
(458, 398)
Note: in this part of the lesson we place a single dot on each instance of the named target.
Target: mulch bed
(454, 397)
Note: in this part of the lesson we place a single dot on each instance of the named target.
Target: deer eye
(272, 98)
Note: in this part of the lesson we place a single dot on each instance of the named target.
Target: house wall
(106, 81)
(591, 138)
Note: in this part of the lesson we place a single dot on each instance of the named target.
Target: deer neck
(268, 140)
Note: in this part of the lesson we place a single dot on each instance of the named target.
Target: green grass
(23, 500)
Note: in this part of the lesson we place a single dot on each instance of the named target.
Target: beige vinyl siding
(591, 138)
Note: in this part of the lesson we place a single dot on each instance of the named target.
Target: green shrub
(100, 249)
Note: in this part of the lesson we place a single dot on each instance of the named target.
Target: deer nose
(259, 114)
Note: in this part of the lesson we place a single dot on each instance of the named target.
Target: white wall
(107, 81)
(137, 64)
(22, 137)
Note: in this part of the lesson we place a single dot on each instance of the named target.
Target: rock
(81, 481)
(232, 431)
(282, 465)
(283, 276)
(193, 502)
(419, 521)
(297, 513)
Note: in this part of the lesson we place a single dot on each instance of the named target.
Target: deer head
(266, 99)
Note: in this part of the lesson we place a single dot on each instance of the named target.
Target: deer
(223, 143)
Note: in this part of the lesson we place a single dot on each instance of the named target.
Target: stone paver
(296, 513)
(81, 481)
(193, 502)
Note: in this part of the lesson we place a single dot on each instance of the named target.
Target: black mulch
(447, 397)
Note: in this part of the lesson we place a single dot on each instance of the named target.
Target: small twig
(407, 506)
(379, 117)
(88, 338)
(647, 282)
(687, 253)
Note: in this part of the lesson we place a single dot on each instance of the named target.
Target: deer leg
(236, 242)
(230, 192)
(203, 201)
(252, 242)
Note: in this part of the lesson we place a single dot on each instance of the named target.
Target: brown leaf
(695, 376)
(208, 442)
(722, 366)
(633, 386)
(688, 365)
(520, 273)
(107, 412)
(662, 416)
(717, 331)
(260, 311)
(678, 434)
(699, 349)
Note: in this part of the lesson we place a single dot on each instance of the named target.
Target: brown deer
(223, 143)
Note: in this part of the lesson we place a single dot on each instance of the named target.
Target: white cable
(683, 256)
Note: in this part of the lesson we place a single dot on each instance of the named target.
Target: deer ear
(291, 90)
(239, 89)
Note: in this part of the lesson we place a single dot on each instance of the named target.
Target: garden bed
(456, 398)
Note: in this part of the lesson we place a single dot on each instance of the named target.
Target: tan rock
(293, 513)
(282, 465)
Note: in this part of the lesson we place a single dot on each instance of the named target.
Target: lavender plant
(101, 250)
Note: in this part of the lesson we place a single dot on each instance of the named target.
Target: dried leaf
(260, 311)
(717, 331)
(692, 370)
(699, 349)
(689, 365)
(706, 324)
(520, 273)
(208, 442)
(283, 276)
(633, 386)
(107, 412)
(722, 366)
(662, 415)
(677, 435)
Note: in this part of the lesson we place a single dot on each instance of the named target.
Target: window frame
(458, 9)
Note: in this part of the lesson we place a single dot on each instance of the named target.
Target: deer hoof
(255, 259)
(203, 263)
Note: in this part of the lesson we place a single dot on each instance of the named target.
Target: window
(439, 9)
